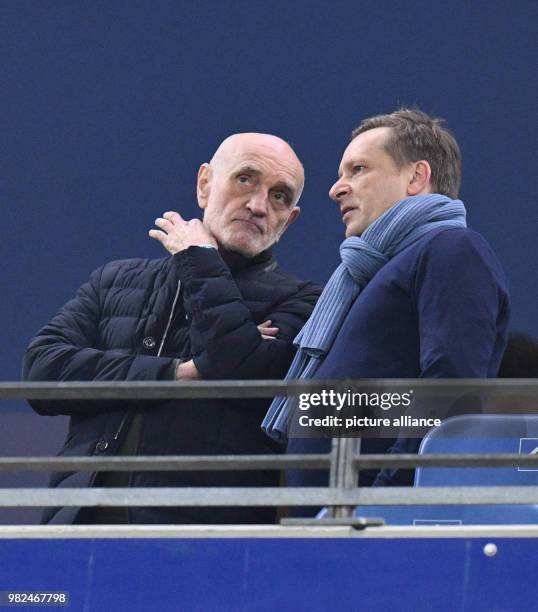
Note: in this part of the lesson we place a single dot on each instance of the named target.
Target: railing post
(343, 472)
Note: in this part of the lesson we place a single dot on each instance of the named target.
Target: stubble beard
(239, 242)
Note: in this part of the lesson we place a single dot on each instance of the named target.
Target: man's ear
(203, 184)
(293, 215)
(419, 182)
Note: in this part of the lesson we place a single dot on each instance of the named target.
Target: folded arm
(225, 340)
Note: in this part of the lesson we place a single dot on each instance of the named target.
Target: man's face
(370, 182)
(249, 192)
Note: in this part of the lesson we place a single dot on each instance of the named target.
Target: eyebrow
(288, 189)
(359, 161)
(248, 170)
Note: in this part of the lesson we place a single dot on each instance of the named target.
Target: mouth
(345, 210)
(251, 224)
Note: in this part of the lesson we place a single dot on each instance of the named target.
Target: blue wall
(109, 107)
(311, 574)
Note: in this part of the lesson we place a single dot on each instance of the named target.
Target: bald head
(265, 144)
(249, 191)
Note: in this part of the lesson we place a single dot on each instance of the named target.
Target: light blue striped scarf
(397, 228)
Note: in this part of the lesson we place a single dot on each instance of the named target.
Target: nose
(339, 190)
(257, 204)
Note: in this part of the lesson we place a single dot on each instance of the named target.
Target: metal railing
(342, 494)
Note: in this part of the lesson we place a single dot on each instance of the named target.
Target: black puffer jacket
(129, 322)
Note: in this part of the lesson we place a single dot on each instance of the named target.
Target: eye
(358, 168)
(244, 179)
(281, 197)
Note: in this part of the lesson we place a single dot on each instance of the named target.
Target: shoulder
(126, 271)
(457, 244)
(454, 238)
(461, 254)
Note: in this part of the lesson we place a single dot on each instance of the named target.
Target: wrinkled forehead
(277, 162)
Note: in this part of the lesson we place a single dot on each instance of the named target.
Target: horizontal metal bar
(248, 388)
(453, 460)
(262, 496)
(467, 496)
(397, 533)
(164, 463)
(258, 462)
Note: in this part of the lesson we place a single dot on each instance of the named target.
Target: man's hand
(187, 371)
(267, 331)
(178, 234)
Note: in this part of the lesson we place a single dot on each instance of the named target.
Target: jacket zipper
(122, 423)
(158, 355)
(161, 346)
(169, 319)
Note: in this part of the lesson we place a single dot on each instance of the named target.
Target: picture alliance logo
(340, 400)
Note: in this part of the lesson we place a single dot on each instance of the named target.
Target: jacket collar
(237, 262)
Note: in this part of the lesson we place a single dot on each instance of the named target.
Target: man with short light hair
(418, 294)
(218, 307)
(413, 136)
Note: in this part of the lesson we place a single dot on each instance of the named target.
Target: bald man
(217, 307)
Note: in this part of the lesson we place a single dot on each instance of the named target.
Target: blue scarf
(397, 228)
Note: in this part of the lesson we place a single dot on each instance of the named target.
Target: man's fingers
(172, 216)
(163, 223)
(267, 328)
(158, 235)
(267, 331)
(181, 234)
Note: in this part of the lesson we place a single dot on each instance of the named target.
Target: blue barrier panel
(296, 574)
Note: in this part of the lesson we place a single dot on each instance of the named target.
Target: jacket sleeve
(462, 307)
(66, 350)
(225, 340)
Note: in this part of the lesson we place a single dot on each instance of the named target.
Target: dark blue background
(108, 108)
